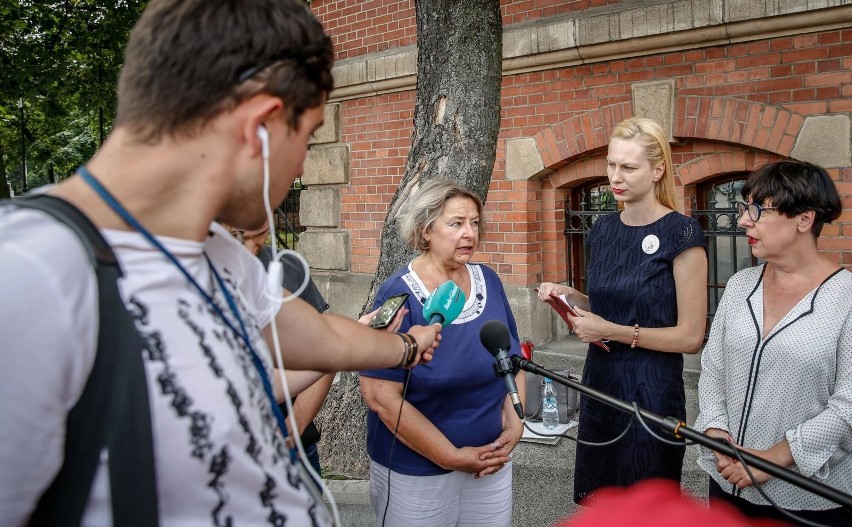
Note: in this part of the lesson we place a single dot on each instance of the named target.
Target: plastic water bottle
(549, 410)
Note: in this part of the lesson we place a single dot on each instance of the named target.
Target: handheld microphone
(445, 304)
(496, 339)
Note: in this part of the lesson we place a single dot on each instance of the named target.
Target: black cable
(679, 428)
(393, 441)
(659, 438)
(580, 441)
(759, 488)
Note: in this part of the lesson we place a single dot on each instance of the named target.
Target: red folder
(563, 308)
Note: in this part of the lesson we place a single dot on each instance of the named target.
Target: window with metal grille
(286, 218)
(727, 246)
(585, 205)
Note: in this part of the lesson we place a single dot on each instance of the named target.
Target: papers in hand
(538, 426)
(560, 304)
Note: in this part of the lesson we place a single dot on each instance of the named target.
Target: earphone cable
(288, 400)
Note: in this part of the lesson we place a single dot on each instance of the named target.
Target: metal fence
(287, 224)
(584, 208)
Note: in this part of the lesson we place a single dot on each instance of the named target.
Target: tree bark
(457, 112)
(4, 186)
(456, 123)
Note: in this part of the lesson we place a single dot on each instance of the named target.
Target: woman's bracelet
(635, 336)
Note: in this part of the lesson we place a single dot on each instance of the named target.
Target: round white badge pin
(650, 244)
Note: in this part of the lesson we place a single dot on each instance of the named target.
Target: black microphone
(496, 339)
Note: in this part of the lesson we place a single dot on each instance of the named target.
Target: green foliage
(62, 59)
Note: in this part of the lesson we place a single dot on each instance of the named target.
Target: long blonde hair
(650, 136)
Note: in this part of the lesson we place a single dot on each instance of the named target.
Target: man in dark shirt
(308, 403)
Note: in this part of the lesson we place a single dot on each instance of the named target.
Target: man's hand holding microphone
(440, 309)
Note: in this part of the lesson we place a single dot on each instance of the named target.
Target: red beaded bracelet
(635, 336)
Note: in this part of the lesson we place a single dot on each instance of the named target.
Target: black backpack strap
(113, 411)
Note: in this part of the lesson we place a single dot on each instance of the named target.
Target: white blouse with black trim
(796, 383)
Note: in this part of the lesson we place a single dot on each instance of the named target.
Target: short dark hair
(187, 61)
(795, 187)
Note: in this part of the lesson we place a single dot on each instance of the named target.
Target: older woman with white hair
(439, 441)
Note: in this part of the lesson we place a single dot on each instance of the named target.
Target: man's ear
(262, 110)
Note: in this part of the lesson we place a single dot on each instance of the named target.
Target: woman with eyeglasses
(776, 373)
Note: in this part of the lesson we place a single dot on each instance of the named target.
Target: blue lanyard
(242, 333)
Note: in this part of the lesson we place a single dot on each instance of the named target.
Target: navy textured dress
(630, 281)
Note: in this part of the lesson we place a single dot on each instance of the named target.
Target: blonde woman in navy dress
(647, 295)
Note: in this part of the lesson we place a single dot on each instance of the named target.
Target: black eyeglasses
(754, 210)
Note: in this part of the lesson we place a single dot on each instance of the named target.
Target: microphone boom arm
(679, 429)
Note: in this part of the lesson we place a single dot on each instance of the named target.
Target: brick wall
(736, 106)
(358, 27)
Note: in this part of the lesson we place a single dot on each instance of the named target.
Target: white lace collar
(473, 306)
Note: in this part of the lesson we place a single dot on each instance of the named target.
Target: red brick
(770, 85)
(804, 68)
(828, 38)
(728, 118)
(678, 70)
(736, 76)
(803, 55)
(840, 106)
(825, 66)
(758, 61)
(784, 70)
(716, 66)
(829, 79)
(827, 93)
(840, 51)
(834, 244)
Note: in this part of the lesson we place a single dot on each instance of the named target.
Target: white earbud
(263, 135)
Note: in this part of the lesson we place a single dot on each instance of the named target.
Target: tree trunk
(4, 186)
(457, 113)
(456, 122)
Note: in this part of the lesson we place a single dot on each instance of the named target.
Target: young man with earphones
(213, 96)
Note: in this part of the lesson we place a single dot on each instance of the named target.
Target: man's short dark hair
(795, 187)
(188, 61)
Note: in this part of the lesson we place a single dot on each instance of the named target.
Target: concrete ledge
(607, 33)
(825, 141)
(326, 165)
(349, 491)
(325, 249)
(655, 100)
(320, 207)
(329, 132)
(346, 293)
(523, 160)
(353, 502)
